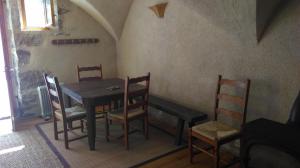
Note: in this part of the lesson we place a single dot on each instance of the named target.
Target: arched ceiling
(111, 14)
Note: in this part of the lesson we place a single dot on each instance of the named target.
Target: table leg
(179, 131)
(67, 101)
(115, 103)
(91, 122)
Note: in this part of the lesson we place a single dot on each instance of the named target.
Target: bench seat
(183, 114)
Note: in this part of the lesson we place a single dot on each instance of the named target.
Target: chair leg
(55, 128)
(106, 128)
(146, 127)
(70, 125)
(126, 135)
(82, 126)
(109, 109)
(66, 136)
(217, 156)
(190, 141)
(143, 124)
(123, 127)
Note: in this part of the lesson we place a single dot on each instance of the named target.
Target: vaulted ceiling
(112, 14)
(266, 10)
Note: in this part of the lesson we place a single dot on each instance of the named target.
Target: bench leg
(179, 131)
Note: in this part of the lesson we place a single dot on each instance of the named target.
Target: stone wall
(35, 54)
(197, 40)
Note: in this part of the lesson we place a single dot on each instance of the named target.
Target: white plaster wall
(197, 40)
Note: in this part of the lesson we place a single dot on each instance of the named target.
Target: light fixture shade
(159, 9)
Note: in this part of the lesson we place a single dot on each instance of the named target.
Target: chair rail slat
(234, 114)
(53, 92)
(233, 99)
(90, 78)
(93, 68)
(234, 83)
(50, 80)
(138, 79)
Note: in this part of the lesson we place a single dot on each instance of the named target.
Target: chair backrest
(240, 100)
(97, 69)
(136, 98)
(55, 95)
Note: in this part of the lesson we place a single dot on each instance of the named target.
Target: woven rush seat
(101, 110)
(215, 130)
(72, 113)
(119, 113)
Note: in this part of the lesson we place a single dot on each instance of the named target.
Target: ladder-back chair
(96, 69)
(66, 115)
(215, 133)
(98, 75)
(135, 106)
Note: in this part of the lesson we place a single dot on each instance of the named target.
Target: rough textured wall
(36, 54)
(199, 39)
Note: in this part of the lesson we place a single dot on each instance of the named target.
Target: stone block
(23, 57)
(30, 104)
(31, 80)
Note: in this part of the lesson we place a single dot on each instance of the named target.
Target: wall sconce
(159, 9)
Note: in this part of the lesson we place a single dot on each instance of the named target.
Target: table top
(96, 89)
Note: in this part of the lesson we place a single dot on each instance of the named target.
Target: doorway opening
(5, 109)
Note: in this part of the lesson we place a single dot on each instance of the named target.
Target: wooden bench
(182, 113)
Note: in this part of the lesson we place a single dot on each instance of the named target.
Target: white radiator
(46, 111)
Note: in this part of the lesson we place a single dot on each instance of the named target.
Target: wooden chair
(209, 136)
(66, 115)
(135, 106)
(100, 110)
(97, 69)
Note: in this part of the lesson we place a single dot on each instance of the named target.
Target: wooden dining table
(95, 93)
